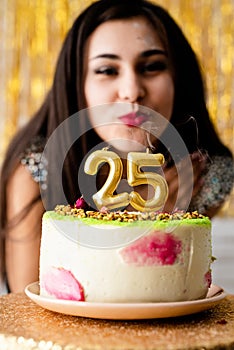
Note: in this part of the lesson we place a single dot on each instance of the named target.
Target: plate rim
(122, 311)
(90, 303)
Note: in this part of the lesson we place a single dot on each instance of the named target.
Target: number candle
(135, 161)
(105, 197)
(136, 177)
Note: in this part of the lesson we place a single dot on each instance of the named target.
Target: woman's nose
(131, 88)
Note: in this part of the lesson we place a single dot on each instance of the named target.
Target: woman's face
(127, 67)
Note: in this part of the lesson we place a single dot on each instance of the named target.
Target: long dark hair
(66, 96)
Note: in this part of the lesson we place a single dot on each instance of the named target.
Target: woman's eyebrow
(153, 52)
(106, 55)
(147, 53)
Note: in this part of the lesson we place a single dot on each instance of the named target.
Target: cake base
(168, 263)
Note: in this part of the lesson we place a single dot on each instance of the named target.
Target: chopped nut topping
(125, 216)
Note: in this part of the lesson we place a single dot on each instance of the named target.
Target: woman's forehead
(122, 34)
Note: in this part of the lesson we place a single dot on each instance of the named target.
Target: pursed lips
(133, 119)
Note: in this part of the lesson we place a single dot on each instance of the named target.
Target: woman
(117, 51)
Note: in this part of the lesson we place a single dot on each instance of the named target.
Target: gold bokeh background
(32, 31)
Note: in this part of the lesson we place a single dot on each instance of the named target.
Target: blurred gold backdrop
(32, 31)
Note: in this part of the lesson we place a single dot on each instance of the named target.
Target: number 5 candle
(136, 177)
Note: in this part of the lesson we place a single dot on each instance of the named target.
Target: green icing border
(205, 221)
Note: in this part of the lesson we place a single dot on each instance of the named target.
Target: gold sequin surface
(25, 325)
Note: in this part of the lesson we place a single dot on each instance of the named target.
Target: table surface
(25, 325)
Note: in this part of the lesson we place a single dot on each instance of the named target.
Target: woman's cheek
(162, 95)
(97, 94)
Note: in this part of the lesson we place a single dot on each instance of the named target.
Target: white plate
(125, 311)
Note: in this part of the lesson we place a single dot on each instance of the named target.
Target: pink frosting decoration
(62, 284)
(208, 278)
(80, 203)
(155, 249)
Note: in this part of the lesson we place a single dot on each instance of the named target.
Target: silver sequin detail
(33, 161)
(218, 184)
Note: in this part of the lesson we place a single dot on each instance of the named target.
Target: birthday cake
(104, 256)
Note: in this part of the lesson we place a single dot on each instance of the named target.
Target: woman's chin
(126, 145)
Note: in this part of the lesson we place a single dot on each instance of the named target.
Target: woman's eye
(153, 67)
(106, 71)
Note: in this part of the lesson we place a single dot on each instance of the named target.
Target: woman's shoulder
(32, 159)
(221, 166)
(218, 184)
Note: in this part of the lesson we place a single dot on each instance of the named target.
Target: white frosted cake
(124, 257)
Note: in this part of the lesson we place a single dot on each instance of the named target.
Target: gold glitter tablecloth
(25, 325)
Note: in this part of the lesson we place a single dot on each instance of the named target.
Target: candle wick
(150, 147)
